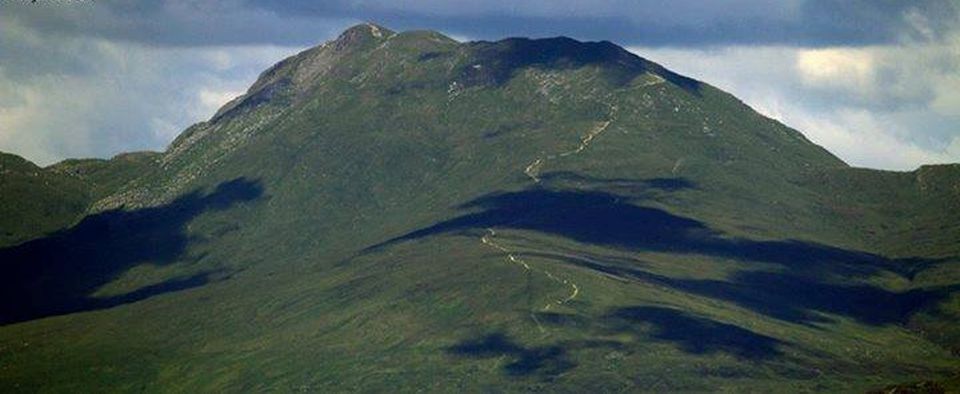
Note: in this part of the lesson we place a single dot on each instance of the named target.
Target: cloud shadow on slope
(810, 280)
(693, 334)
(689, 333)
(58, 274)
(546, 360)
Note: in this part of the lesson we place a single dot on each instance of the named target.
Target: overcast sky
(877, 82)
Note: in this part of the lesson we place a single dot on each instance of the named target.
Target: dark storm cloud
(661, 23)
(634, 22)
(171, 23)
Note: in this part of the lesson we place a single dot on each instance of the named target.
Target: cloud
(847, 69)
(122, 96)
(868, 140)
(891, 106)
(629, 22)
(655, 22)
(172, 22)
(886, 76)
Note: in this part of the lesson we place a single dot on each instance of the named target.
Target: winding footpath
(487, 239)
(532, 171)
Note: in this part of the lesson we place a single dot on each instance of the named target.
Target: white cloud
(862, 138)
(886, 76)
(920, 23)
(851, 69)
(163, 129)
(890, 107)
(211, 100)
(120, 97)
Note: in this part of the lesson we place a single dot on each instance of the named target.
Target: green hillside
(34, 201)
(37, 201)
(403, 212)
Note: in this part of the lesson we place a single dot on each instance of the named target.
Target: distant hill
(36, 201)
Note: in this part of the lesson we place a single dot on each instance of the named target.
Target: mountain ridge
(380, 206)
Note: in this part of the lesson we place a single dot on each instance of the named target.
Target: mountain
(402, 211)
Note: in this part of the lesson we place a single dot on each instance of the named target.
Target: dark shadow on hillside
(620, 186)
(693, 334)
(783, 295)
(607, 219)
(811, 277)
(58, 274)
(549, 360)
(544, 361)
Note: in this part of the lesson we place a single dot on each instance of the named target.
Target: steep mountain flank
(402, 211)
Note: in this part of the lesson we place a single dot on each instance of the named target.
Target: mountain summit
(402, 211)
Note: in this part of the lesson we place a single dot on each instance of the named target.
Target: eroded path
(515, 258)
(532, 171)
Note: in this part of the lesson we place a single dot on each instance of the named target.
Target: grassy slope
(36, 201)
(107, 176)
(371, 141)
